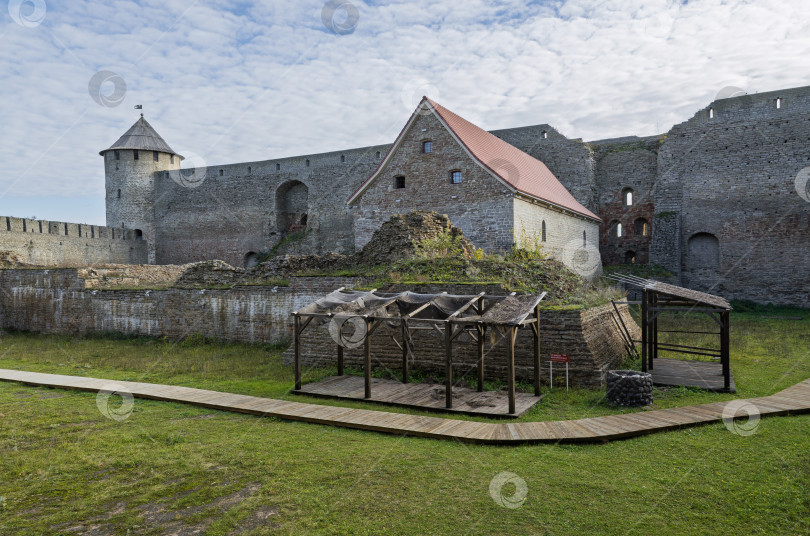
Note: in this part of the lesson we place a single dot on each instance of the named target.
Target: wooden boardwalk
(429, 397)
(792, 400)
(704, 374)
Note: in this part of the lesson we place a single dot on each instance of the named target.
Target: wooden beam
(367, 359)
(405, 349)
(725, 357)
(448, 365)
(644, 330)
(536, 331)
(511, 365)
(297, 350)
(482, 333)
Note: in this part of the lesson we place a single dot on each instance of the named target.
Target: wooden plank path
(792, 400)
(423, 396)
(704, 374)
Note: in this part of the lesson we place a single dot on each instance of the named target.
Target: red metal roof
(517, 169)
(522, 171)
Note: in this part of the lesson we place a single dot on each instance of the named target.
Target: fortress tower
(130, 167)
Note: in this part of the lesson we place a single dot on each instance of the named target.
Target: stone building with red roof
(497, 194)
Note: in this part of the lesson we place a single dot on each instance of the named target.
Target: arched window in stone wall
(704, 251)
(584, 239)
(627, 197)
(292, 206)
(251, 259)
(642, 228)
(543, 231)
(619, 230)
(138, 234)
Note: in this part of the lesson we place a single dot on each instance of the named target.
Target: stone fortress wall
(713, 201)
(56, 243)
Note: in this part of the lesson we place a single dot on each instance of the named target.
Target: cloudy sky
(235, 80)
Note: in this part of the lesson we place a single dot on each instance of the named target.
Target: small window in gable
(455, 177)
(278, 167)
(307, 162)
(427, 147)
(135, 153)
(171, 159)
(399, 182)
(543, 231)
(119, 193)
(378, 154)
(221, 172)
(584, 239)
(343, 158)
(619, 230)
(155, 156)
(711, 113)
(117, 155)
(544, 135)
(778, 103)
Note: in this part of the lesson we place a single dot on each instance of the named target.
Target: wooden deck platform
(420, 396)
(704, 374)
(792, 400)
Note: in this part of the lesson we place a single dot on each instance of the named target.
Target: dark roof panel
(142, 137)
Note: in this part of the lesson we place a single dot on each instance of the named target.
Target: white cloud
(236, 81)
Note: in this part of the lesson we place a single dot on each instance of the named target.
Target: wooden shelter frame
(657, 298)
(474, 315)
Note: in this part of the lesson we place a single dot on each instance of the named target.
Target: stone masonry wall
(622, 165)
(573, 241)
(56, 301)
(589, 337)
(728, 181)
(230, 211)
(54, 243)
(481, 205)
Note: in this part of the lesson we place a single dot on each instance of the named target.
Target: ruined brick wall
(626, 165)
(589, 337)
(54, 243)
(228, 212)
(481, 205)
(732, 221)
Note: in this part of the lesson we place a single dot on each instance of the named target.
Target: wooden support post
(405, 338)
(448, 364)
(655, 332)
(650, 323)
(725, 329)
(340, 360)
(536, 330)
(511, 364)
(482, 333)
(367, 352)
(297, 343)
(644, 330)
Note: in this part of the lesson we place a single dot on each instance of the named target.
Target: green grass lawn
(178, 469)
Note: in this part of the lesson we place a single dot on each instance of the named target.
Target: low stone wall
(57, 301)
(589, 337)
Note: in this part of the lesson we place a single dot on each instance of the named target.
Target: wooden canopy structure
(658, 297)
(353, 316)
